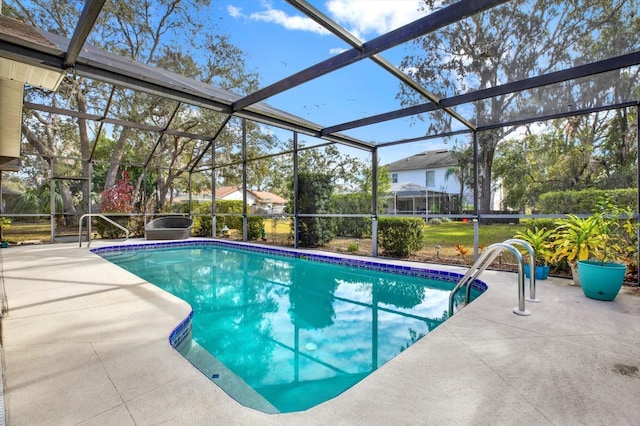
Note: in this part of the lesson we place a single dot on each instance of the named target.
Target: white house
(426, 182)
(259, 202)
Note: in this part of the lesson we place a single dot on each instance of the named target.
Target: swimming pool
(281, 330)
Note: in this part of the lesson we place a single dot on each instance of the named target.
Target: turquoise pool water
(283, 333)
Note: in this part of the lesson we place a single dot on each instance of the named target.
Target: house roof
(261, 196)
(424, 161)
(410, 189)
(268, 197)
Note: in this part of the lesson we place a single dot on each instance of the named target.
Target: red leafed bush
(119, 198)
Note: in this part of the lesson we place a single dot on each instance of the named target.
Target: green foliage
(356, 227)
(538, 223)
(203, 222)
(585, 201)
(609, 235)
(255, 225)
(315, 191)
(202, 226)
(400, 237)
(5, 223)
(540, 240)
(353, 247)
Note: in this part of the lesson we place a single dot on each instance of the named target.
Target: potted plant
(576, 238)
(595, 247)
(540, 242)
(5, 223)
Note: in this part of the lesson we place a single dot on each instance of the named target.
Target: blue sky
(279, 41)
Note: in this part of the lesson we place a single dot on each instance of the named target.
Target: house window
(431, 179)
(394, 178)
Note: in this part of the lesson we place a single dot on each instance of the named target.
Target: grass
(20, 232)
(452, 233)
(445, 235)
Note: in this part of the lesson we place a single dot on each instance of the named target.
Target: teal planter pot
(601, 281)
(542, 272)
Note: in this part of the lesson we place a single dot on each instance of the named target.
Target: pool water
(297, 332)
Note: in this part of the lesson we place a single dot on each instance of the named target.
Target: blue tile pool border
(334, 259)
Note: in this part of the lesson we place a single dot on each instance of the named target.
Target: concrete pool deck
(86, 342)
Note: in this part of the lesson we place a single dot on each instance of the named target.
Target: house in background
(259, 202)
(426, 183)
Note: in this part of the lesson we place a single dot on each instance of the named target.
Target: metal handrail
(114, 223)
(532, 264)
(487, 257)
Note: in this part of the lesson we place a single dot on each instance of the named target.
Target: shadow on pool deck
(87, 342)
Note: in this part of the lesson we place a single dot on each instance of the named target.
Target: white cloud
(361, 17)
(364, 18)
(289, 22)
(337, 50)
(279, 17)
(234, 12)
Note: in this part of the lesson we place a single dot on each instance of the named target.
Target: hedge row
(585, 201)
(400, 237)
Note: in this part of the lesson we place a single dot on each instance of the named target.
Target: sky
(278, 41)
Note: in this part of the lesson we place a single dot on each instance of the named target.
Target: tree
(511, 42)
(463, 171)
(568, 154)
(314, 196)
(170, 34)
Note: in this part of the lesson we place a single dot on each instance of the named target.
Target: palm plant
(578, 238)
(540, 241)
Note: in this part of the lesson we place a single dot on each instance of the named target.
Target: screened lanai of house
(592, 67)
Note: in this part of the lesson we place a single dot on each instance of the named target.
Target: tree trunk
(116, 157)
(85, 147)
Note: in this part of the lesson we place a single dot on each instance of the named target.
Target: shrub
(355, 227)
(538, 223)
(255, 225)
(400, 237)
(202, 226)
(117, 199)
(585, 201)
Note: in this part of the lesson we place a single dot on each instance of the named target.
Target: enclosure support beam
(374, 198)
(426, 25)
(89, 183)
(213, 188)
(245, 224)
(296, 194)
(101, 120)
(52, 200)
(476, 223)
(638, 183)
(190, 195)
(144, 196)
(162, 133)
(85, 24)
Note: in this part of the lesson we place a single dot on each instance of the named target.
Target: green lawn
(452, 233)
(445, 235)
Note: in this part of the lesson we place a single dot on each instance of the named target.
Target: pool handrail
(483, 262)
(114, 223)
(532, 267)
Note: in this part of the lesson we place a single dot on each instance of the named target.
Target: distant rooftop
(424, 160)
